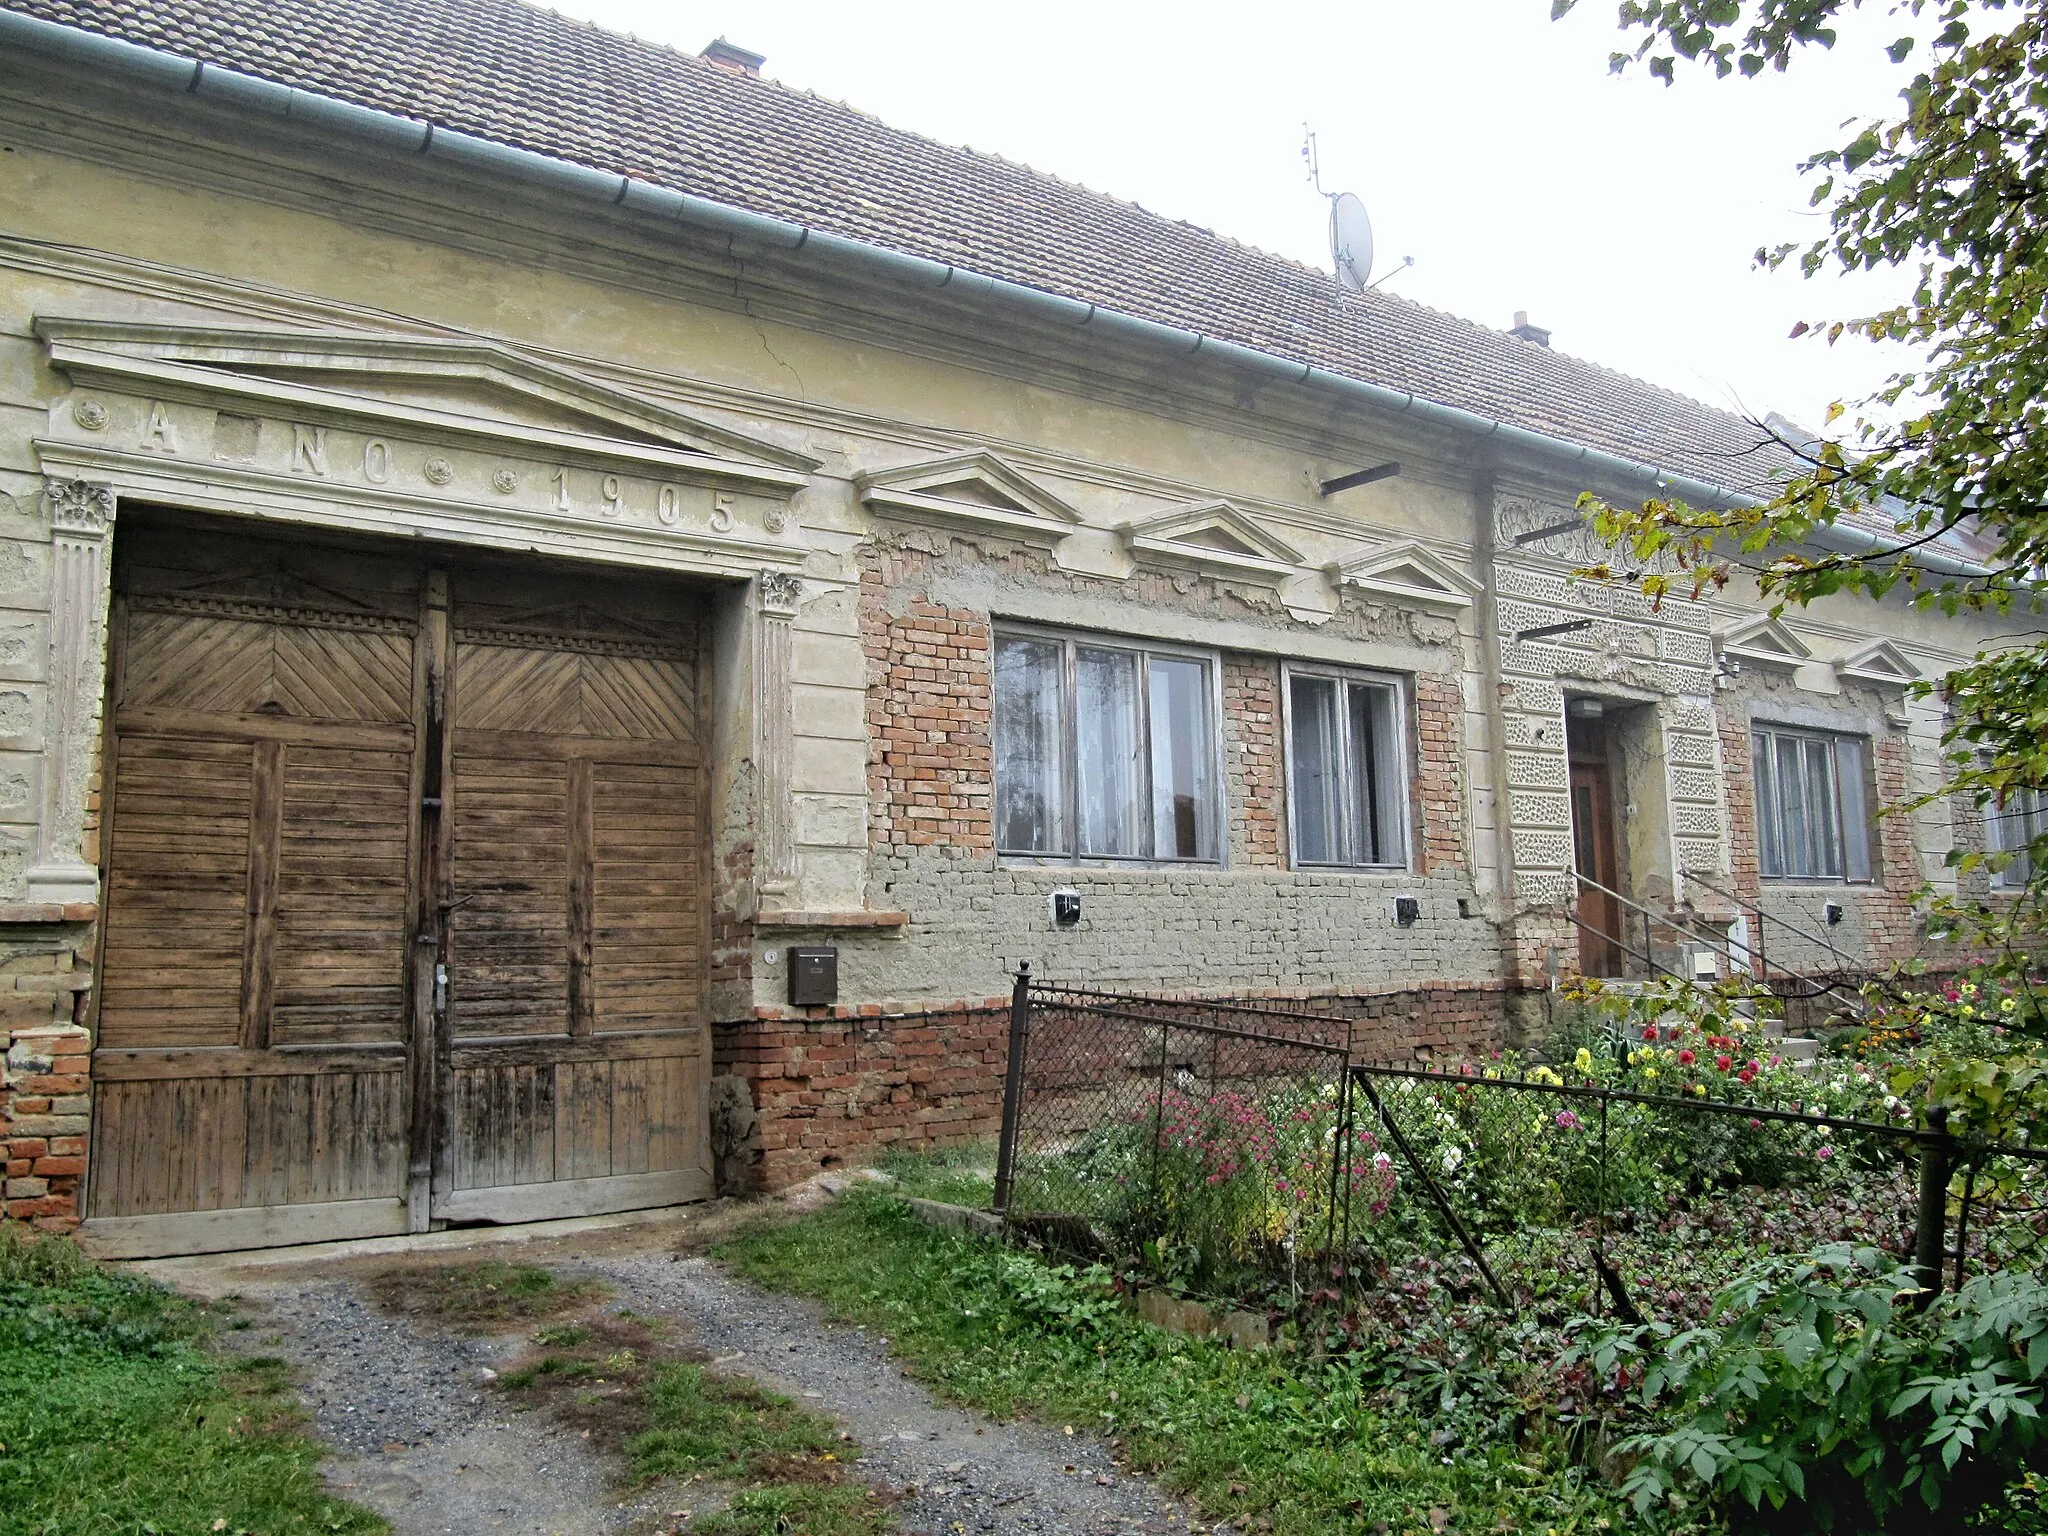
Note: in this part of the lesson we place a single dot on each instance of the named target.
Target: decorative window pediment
(1217, 538)
(1764, 642)
(1407, 572)
(1882, 663)
(464, 387)
(975, 491)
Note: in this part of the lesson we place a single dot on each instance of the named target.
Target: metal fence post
(1937, 1161)
(1013, 1086)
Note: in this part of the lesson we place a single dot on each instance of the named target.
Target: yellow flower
(1584, 1060)
(1649, 1071)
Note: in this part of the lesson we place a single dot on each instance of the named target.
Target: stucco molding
(977, 491)
(1881, 663)
(1764, 642)
(350, 367)
(1217, 538)
(1407, 572)
(81, 517)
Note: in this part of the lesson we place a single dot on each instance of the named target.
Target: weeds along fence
(1221, 1154)
(1241, 1151)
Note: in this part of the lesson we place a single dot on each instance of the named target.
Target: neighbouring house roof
(529, 78)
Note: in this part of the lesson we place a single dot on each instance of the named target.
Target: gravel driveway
(420, 1436)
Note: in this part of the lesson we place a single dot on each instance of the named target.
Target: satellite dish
(1351, 242)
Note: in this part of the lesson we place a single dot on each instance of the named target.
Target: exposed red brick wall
(1440, 772)
(839, 1086)
(930, 763)
(1889, 911)
(45, 1086)
(1738, 784)
(1254, 761)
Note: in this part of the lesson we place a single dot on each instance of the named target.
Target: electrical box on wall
(1407, 910)
(1066, 908)
(813, 975)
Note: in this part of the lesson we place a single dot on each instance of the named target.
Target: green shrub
(1817, 1398)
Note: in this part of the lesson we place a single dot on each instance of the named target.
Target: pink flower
(1825, 1153)
(1567, 1121)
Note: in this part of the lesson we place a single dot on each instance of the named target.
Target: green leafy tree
(1948, 462)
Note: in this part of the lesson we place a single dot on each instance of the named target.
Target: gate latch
(440, 989)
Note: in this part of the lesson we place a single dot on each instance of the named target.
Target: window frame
(2032, 817)
(1402, 757)
(1070, 642)
(1766, 764)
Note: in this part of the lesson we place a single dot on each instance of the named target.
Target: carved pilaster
(775, 847)
(81, 516)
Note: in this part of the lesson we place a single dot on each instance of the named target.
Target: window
(2011, 826)
(1346, 786)
(1812, 805)
(1104, 750)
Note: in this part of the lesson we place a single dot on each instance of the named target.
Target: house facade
(556, 655)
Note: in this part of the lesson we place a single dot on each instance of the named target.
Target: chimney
(726, 56)
(1528, 332)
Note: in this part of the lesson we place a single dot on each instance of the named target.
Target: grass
(118, 1415)
(487, 1296)
(1277, 1443)
(666, 1414)
(959, 1176)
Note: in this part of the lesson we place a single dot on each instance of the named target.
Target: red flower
(1650, 1032)
(1724, 1062)
(1746, 1075)
(1686, 1058)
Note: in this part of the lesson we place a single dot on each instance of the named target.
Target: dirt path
(420, 1435)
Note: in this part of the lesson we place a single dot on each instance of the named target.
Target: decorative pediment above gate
(1217, 538)
(1407, 572)
(1882, 663)
(424, 436)
(974, 491)
(1764, 642)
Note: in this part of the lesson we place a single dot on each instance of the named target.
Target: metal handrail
(1679, 923)
(1767, 917)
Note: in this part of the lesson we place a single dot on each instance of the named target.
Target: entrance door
(1594, 852)
(333, 1003)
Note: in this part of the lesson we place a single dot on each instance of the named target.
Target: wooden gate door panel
(250, 1056)
(579, 1076)
(274, 1063)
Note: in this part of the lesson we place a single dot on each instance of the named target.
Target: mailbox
(813, 975)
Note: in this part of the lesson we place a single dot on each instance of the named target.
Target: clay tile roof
(527, 77)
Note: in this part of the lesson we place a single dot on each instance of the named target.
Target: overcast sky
(1488, 142)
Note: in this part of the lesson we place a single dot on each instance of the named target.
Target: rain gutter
(404, 135)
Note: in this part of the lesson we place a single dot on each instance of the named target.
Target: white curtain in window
(1852, 782)
(1318, 806)
(1183, 767)
(1375, 775)
(1107, 740)
(1029, 746)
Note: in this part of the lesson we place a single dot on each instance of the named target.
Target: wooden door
(362, 971)
(579, 1061)
(1594, 853)
(251, 1051)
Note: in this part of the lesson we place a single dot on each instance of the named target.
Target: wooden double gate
(404, 913)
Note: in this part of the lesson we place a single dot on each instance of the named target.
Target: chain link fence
(1239, 1151)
